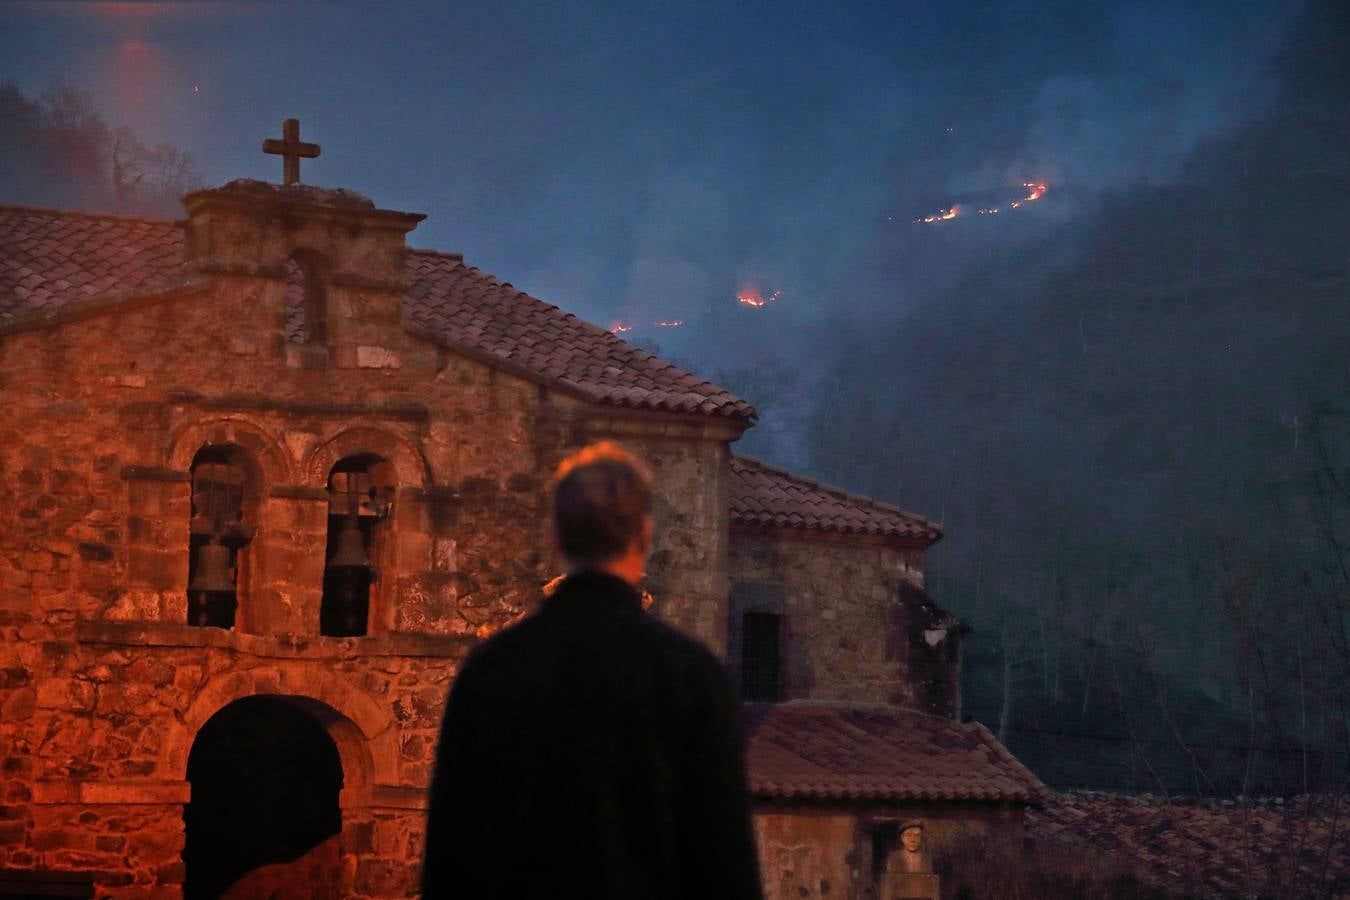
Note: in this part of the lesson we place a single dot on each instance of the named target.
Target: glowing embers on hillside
(618, 327)
(945, 215)
(752, 298)
(1035, 190)
(748, 295)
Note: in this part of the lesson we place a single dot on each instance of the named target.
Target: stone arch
(266, 781)
(265, 449)
(410, 466)
(365, 736)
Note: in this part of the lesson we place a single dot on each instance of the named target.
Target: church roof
(767, 496)
(471, 307)
(823, 751)
(50, 258)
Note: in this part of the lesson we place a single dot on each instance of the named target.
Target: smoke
(1172, 78)
(645, 164)
(802, 168)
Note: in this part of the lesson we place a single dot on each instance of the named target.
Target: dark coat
(590, 751)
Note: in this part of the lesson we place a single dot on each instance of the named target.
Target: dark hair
(601, 497)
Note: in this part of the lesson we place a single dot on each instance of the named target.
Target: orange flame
(620, 327)
(1035, 191)
(945, 216)
(755, 300)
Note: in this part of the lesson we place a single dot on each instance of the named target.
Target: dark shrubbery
(1005, 869)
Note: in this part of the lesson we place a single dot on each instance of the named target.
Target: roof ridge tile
(85, 214)
(786, 497)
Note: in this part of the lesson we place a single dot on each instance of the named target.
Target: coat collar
(595, 587)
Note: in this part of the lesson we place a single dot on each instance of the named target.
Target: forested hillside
(1135, 429)
(57, 150)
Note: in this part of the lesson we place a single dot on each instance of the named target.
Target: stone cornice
(132, 792)
(154, 473)
(855, 538)
(611, 422)
(410, 412)
(298, 492)
(151, 635)
(337, 206)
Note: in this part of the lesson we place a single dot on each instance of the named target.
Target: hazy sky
(648, 162)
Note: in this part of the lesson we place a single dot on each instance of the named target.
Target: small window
(306, 300)
(760, 669)
(360, 491)
(218, 534)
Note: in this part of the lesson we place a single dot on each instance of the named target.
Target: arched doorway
(265, 779)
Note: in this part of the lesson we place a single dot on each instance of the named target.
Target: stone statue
(910, 855)
(909, 871)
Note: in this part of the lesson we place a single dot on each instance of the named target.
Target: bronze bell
(213, 570)
(351, 548)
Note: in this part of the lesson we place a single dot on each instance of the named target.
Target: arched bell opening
(266, 777)
(360, 498)
(225, 483)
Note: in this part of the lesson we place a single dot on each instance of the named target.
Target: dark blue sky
(650, 161)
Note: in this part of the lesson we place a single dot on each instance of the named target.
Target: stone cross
(291, 149)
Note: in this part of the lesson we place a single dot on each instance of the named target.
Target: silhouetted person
(591, 750)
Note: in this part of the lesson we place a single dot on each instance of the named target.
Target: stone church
(268, 473)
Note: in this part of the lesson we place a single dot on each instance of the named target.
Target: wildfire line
(1035, 191)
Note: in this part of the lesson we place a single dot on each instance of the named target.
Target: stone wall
(687, 569)
(131, 848)
(853, 619)
(809, 854)
(103, 684)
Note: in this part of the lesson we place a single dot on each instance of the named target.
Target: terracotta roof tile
(768, 496)
(472, 308)
(1209, 847)
(51, 257)
(808, 750)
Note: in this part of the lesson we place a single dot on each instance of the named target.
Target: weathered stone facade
(103, 684)
(854, 618)
(272, 330)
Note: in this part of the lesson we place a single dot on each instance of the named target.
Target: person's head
(602, 509)
(911, 836)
